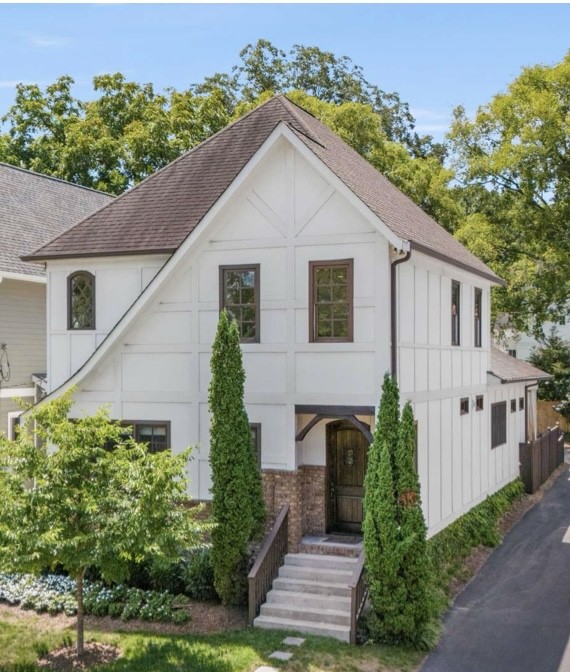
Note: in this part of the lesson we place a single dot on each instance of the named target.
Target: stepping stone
(266, 668)
(293, 641)
(281, 655)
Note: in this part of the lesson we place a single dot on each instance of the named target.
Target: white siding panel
(446, 373)
(435, 466)
(446, 459)
(421, 370)
(164, 328)
(334, 216)
(148, 273)
(457, 455)
(115, 291)
(265, 373)
(103, 380)
(466, 449)
(60, 365)
(324, 372)
(406, 303)
(57, 285)
(406, 376)
(434, 377)
(273, 328)
(456, 372)
(164, 372)
(422, 308)
(434, 315)
(421, 415)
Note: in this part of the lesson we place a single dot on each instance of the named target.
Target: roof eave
(490, 276)
(89, 255)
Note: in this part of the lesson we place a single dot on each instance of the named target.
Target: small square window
(479, 402)
(513, 353)
(521, 403)
(464, 406)
(513, 405)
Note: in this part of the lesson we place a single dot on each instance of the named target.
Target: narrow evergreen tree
(382, 551)
(415, 569)
(237, 499)
(389, 419)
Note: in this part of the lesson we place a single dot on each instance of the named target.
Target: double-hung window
(477, 318)
(155, 434)
(498, 424)
(239, 295)
(331, 301)
(455, 313)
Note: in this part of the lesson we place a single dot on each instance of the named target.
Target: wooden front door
(347, 449)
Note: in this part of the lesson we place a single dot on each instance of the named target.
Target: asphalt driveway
(515, 614)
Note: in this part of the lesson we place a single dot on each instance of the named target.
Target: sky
(435, 56)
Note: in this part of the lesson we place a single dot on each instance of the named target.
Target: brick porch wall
(304, 491)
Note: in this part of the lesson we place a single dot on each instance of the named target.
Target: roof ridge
(56, 179)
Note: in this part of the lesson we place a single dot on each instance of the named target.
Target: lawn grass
(239, 651)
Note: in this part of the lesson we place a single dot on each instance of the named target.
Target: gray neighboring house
(34, 208)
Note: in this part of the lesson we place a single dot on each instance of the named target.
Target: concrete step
(304, 600)
(324, 575)
(317, 587)
(320, 561)
(340, 632)
(314, 614)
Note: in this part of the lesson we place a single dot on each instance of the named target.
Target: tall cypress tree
(237, 499)
(415, 569)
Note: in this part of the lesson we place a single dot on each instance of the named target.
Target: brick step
(299, 613)
(304, 600)
(340, 632)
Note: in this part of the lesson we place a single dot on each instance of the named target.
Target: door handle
(332, 490)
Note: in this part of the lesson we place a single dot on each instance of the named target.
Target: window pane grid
(332, 301)
(81, 301)
(239, 298)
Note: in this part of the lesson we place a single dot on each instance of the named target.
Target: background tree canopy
(500, 182)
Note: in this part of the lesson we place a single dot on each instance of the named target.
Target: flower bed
(56, 594)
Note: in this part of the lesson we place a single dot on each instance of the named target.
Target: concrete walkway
(515, 614)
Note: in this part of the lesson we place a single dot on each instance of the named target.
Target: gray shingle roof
(160, 212)
(510, 369)
(33, 209)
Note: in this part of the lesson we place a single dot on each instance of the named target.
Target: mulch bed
(66, 659)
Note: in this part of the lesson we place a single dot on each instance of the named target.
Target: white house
(33, 209)
(334, 277)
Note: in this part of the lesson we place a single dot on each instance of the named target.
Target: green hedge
(449, 548)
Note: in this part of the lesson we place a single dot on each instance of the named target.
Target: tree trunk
(79, 584)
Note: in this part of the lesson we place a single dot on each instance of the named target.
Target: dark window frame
(479, 402)
(256, 268)
(456, 318)
(256, 427)
(70, 278)
(478, 317)
(137, 424)
(498, 424)
(513, 405)
(313, 267)
(464, 406)
(521, 403)
(512, 353)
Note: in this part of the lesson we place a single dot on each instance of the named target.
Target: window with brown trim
(464, 406)
(455, 313)
(81, 300)
(255, 428)
(239, 295)
(479, 404)
(155, 434)
(331, 303)
(498, 424)
(477, 317)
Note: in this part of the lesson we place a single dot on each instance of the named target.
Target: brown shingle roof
(33, 209)
(160, 212)
(510, 369)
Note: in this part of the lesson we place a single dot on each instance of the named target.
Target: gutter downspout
(393, 313)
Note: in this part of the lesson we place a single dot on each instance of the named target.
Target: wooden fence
(548, 417)
(540, 458)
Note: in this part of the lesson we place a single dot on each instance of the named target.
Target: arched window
(81, 301)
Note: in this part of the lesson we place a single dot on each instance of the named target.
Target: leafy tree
(82, 503)
(512, 159)
(553, 356)
(419, 605)
(237, 498)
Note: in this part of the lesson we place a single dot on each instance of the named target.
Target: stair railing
(358, 595)
(268, 562)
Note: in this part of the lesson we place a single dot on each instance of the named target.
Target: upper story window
(455, 313)
(477, 317)
(154, 434)
(239, 295)
(331, 311)
(81, 301)
(255, 428)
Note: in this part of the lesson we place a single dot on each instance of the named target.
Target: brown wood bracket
(361, 426)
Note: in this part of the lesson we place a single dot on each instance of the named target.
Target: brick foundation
(304, 491)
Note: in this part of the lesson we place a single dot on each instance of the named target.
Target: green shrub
(477, 527)
(167, 576)
(199, 575)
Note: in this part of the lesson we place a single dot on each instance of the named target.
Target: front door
(347, 449)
